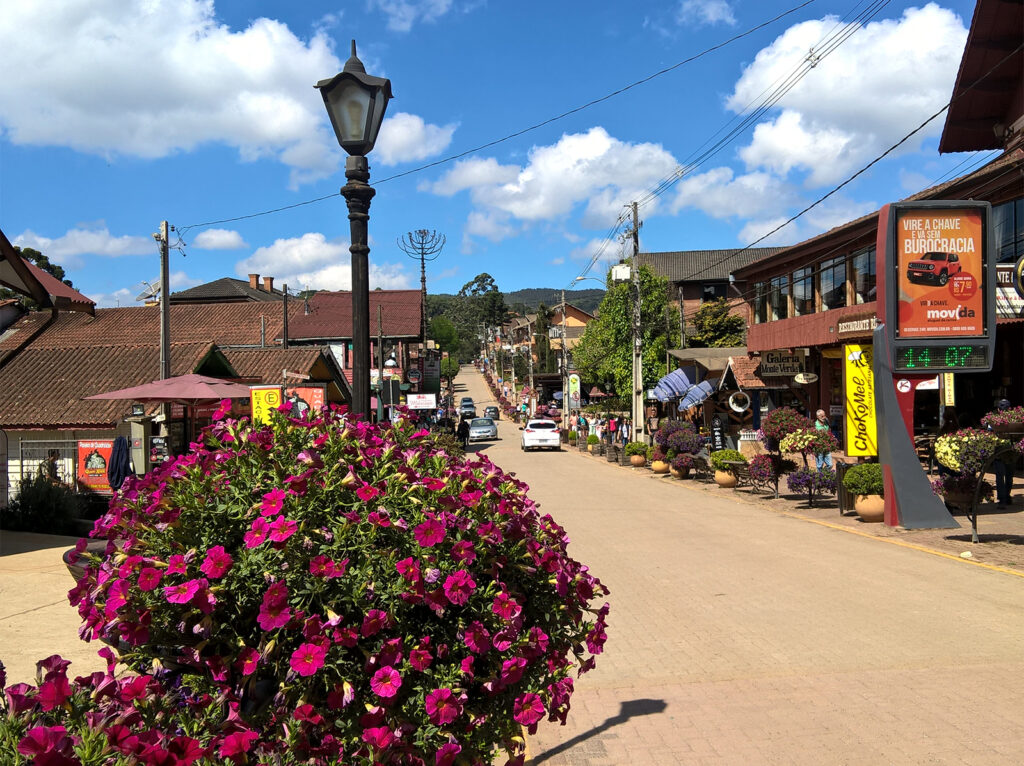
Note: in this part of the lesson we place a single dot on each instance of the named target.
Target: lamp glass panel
(350, 104)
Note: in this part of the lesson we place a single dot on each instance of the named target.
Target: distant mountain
(532, 297)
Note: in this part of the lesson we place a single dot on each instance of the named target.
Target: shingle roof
(330, 315)
(225, 289)
(703, 265)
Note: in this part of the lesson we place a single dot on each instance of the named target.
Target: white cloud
(315, 262)
(149, 78)
(856, 102)
(604, 250)
(557, 261)
(721, 194)
(911, 181)
(705, 12)
(181, 281)
(122, 297)
(402, 14)
(407, 138)
(471, 173)
(69, 247)
(752, 232)
(219, 239)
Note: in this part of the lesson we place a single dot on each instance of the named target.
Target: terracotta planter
(660, 466)
(637, 461)
(676, 473)
(725, 479)
(870, 508)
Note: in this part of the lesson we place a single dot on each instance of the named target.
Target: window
(761, 290)
(864, 276)
(803, 292)
(833, 283)
(714, 290)
(1008, 223)
(779, 298)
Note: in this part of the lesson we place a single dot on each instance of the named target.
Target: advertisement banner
(305, 399)
(93, 459)
(948, 390)
(263, 400)
(421, 401)
(940, 273)
(574, 391)
(861, 421)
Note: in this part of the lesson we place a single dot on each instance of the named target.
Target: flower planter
(679, 474)
(612, 454)
(623, 457)
(725, 479)
(963, 499)
(660, 466)
(870, 508)
(637, 461)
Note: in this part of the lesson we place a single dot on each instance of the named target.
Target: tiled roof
(225, 289)
(747, 371)
(267, 364)
(330, 315)
(703, 265)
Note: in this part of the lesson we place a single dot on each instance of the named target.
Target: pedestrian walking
(463, 432)
(1003, 472)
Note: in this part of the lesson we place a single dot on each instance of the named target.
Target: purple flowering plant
(359, 594)
(1007, 417)
(962, 484)
(812, 482)
(761, 469)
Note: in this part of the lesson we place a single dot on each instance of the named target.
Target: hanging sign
(263, 400)
(948, 390)
(861, 423)
(574, 391)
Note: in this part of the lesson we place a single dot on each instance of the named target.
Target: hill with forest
(532, 297)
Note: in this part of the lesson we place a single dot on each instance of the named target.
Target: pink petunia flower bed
(335, 592)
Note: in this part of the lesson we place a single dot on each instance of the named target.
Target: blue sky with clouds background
(117, 114)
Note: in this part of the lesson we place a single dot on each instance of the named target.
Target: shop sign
(305, 399)
(422, 401)
(574, 391)
(775, 364)
(93, 459)
(948, 390)
(861, 422)
(264, 399)
(862, 326)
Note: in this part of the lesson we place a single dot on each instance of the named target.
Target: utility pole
(639, 426)
(165, 301)
(422, 244)
(529, 360)
(565, 367)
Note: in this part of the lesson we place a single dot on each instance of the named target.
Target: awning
(673, 385)
(708, 358)
(697, 394)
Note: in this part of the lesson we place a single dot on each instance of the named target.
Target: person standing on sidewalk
(1003, 472)
(821, 424)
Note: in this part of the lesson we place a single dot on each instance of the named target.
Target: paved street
(741, 636)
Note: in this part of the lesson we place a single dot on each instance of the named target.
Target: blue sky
(117, 114)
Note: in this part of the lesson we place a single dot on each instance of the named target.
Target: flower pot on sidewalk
(870, 508)
(725, 479)
(660, 466)
(637, 461)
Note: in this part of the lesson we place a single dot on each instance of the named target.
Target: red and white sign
(93, 459)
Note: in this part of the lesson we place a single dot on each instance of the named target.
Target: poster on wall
(263, 400)
(93, 459)
(940, 273)
(305, 399)
(861, 423)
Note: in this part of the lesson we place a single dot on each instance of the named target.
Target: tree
(34, 256)
(443, 331)
(715, 327)
(605, 350)
(449, 367)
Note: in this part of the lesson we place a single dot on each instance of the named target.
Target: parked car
(482, 428)
(934, 267)
(491, 412)
(541, 434)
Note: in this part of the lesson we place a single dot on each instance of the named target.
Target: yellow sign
(948, 391)
(264, 399)
(861, 422)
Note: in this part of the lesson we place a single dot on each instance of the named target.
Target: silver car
(482, 428)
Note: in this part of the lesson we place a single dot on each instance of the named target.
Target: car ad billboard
(941, 273)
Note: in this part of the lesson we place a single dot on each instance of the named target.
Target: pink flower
(429, 533)
(53, 692)
(223, 410)
(463, 551)
(341, 696)
(274, 611)
(505, 606)
(308, 659)
(281, 529)
(445, 755)
(378, 736)
(183, 593)
(458, 587)
(46, 741)
(321, 566)
(373, 622)
(409, 568)
(528, 709)
(176, 564)
(257, 534)
(386, 682)
(273, 502)
(512, 670)
(420, 659)
(217, 562)
(442, 706)
(248, 661)
(477, 637)
(367, 492)
(236, 745)
(149, 578)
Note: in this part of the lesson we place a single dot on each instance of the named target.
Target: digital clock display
(951, 357)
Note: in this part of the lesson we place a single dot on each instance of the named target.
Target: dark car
(934, 267)
(491, 412)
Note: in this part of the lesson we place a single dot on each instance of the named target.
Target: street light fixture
(355, 103)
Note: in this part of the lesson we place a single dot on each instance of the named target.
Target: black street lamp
(356, 102)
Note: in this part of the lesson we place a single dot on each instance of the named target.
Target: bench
(741, 471)
(702, 469)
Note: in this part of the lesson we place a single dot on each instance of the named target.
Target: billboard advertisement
(263, 400)
(861, 421)
(305, 399)
(93, 459)
(940, 273)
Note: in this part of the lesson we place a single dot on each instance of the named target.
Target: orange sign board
(940, 273)
(305, 399)
(93, 459)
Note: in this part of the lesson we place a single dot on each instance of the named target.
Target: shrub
(781, 422)
(636, 448)
(762, 469)
(683, 461)
(362, 594)
(653, 453)
(592, 439)
(718, 458)
(572, 436)
(449, 443)
(864, 479)
(42, 506)
(685, 440)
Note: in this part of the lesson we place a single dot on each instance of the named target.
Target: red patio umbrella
(597, 393)
(184, 389)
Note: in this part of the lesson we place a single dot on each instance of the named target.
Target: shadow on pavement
(627, 710)
(14, 543)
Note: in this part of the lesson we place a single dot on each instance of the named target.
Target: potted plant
(1009, 420)
(637, 454)
(959, 489)
(809, 441)
(724, 476)
(659, 461)
(592, 442)
(762, 470)
(780, 423)
(681, 465)
(572, 438)
(864, 482)
(812, 482)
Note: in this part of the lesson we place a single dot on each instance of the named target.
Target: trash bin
(846, 500)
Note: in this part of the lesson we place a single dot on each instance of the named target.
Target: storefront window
(803, 292)
(779, 298)
(711, 291)
(1008, 220)
(761, 302)
(864, 276)
(833, 283)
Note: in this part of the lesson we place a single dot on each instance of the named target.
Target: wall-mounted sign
(414, 375)
(940, 288)
(860, 326)
(305, 399)
(948, 390)
(93, 459)
(804, 378)
(775, 364)
(421, 401)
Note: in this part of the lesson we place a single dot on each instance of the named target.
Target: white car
(541, 433)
